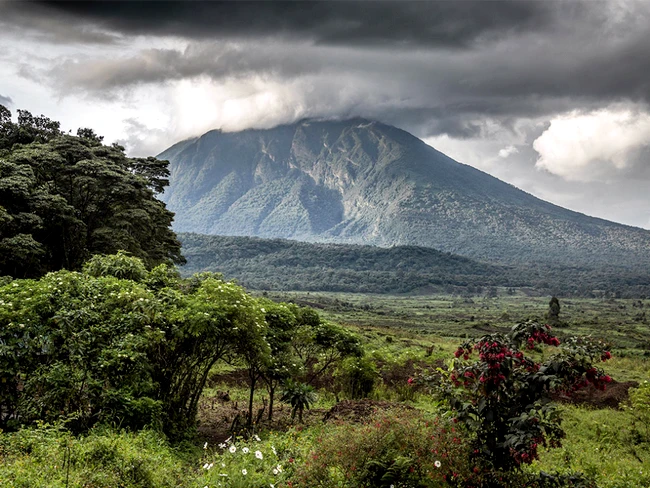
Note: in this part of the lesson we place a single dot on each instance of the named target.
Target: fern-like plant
(300, 396)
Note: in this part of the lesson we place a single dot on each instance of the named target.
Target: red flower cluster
(606, 355)
(599, 381)
(494, 354)
(527, 456)
(542, 338)
(462, 352)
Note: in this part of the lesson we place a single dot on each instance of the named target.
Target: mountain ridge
(363, 182)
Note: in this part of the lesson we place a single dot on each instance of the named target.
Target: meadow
(403, 336)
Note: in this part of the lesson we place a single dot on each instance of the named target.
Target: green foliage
(357, 376)
(46, 456)
(504, 398)
(65, 198)
(300, 396)
(396, 448)
(120, 265)
(321, 345)
(94, 348)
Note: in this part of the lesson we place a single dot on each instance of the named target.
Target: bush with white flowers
(243, 463)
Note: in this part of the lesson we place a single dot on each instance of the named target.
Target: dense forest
(64, 198)
(277, 264)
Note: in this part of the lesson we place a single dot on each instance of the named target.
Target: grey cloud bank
(542, 94)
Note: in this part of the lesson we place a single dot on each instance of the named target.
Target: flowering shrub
(98, 347)
(398, 448)
(246, 464)
(504, 397)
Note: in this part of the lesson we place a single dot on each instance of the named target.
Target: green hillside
(277, 264)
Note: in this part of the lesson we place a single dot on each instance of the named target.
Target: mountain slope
(365, 182)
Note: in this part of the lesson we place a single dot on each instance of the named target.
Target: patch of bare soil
(219, 418)
(615, 394)
(360, 410)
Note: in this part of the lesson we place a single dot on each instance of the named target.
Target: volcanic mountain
(364, 182)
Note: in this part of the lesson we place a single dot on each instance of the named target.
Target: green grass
(47, 456)
(601, 443)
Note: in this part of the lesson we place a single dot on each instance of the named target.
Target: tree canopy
(64, 198)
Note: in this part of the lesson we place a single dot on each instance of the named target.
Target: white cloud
(594, 145)
(508, 151)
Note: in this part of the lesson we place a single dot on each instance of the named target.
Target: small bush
(400, 448)
(242, 464)
(356, 377)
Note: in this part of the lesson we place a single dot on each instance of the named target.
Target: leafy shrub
(399, 448)
(300, 396)
(504, 398)
(356, 376)
(95, 348)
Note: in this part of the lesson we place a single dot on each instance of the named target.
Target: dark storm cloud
(431, 67)
(6, 101)
(408, 23)
(26, 18)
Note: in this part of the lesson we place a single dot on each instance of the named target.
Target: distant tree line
(276, 264)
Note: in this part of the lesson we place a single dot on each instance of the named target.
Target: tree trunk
(250, 401)
(271, 396)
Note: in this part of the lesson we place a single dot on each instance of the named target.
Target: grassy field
(625, 323)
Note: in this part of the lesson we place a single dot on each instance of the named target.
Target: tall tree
(64, 198)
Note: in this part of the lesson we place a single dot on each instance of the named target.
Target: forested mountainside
(278, 264)
(364, 182)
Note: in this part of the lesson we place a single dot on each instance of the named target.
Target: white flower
(244, 450)
(257, 438)
(279, 468)
(244, 472)
(274, 451)
(232, 449)
(222, 445)
(205, 446)
(437, 464)
(258, 454)
(275, 471)
(205, 466)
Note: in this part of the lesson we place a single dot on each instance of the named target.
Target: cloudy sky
(551, 96)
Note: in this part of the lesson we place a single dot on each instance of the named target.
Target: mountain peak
(361, 181)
